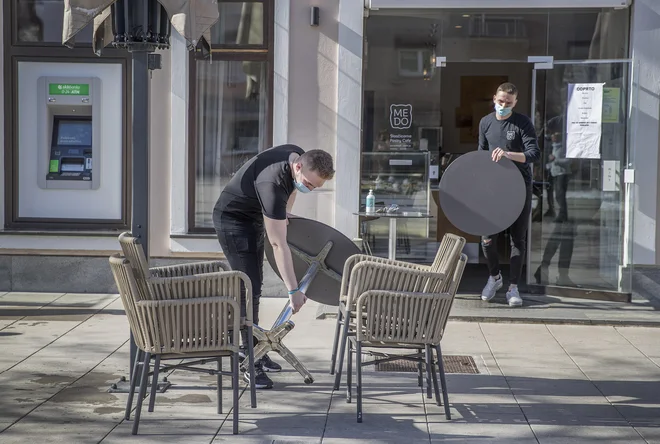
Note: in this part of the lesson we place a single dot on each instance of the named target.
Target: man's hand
(297, 300)
(497, 154)
(551, 157)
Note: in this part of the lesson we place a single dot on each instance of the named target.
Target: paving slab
(616, 432)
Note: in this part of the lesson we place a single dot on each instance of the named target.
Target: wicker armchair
(399, 321)
(196, 330)
(444, 263)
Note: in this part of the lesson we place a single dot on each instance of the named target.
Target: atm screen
(74, 132)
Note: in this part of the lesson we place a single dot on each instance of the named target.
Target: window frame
(15, 52)
(229, 53)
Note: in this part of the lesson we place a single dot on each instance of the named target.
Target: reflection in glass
(601, 34)
(241, 23)
(582, 217)
(231, 126)
(36, 24)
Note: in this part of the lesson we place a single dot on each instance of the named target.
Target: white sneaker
(513, 297)
(494, 284)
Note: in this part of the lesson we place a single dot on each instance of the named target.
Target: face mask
(502, 110)
(301, 187)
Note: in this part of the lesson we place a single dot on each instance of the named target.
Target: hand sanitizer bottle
(371, 202)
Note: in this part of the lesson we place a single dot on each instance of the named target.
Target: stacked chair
(400, 306)
(188, 313)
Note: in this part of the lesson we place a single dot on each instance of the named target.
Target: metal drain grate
(453, 364)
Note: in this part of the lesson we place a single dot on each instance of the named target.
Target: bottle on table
(371, 202)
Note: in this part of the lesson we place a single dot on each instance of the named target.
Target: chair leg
(342, 349)
(434, 375)
(253, 389)
(154, 384)
(234, 371)
(445, 397)
(349, 372)
(219, 383)
(420, 378)
(429, 386)
(143, 392)
(358, 365)
(129, 403)
(335, 344)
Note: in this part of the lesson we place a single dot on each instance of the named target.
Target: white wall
(646, 129)
(2, 122)
(103, 203)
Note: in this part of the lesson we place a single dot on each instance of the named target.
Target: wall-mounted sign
(400, 116)
(68, 89)
(611, 104)
(584, 115)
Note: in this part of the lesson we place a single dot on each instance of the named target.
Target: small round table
(394, 217)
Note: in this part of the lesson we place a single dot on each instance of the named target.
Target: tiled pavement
(537, 384)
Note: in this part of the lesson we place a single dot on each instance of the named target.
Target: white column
(2, 126)
(179, 136)
(281, 77)
(645, 39)
(349, 115)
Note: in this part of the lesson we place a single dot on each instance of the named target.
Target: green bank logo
(68, 89)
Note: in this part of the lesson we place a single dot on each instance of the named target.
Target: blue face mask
(502, 110)
(301, 187)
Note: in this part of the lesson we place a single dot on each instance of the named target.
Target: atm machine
(69, 125)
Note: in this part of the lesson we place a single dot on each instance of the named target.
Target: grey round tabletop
(309, 237)
(399, 215)
(482, 197)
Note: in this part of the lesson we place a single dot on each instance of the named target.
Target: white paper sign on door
(584, 117)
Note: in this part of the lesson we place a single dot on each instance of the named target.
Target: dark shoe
(565, 281)
(549, 213)
(261, 380)
(269, 365)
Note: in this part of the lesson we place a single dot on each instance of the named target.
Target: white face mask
(502, 110)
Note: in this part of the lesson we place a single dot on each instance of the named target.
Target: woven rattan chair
(404, 320)
(193, 331)
(445, 262)
(152, 284)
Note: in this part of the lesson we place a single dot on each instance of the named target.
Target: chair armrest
(402, 317)
(189, 269)
(359, 258)
(209, 285)
(367, 276)
(190, 325)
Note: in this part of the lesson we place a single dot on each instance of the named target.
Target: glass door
(578, 228)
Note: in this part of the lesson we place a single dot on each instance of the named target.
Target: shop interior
(429, 79)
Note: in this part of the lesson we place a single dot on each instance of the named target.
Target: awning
(193, 19)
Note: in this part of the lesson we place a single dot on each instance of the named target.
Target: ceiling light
(466, 15)
(458, 26)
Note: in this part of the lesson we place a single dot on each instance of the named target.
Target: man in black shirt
(509, 134)
(255, 202)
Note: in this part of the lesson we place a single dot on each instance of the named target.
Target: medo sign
(400, 116)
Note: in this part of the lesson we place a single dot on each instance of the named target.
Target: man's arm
(274, 204)
(531, 151)
(483, 143)
(290, 202)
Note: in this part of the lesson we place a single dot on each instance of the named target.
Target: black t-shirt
(515, 134)
(261, 187)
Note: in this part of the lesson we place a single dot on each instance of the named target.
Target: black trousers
(561, 187)
(562, 239)
(242, 242)
(518, 236)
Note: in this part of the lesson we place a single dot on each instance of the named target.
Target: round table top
(482, 197)
(309, 237)
(398, 214)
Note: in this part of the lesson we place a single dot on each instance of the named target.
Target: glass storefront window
(241, 23)
(588, 35)
(232, 104)
(474, 36)
(40, 21)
